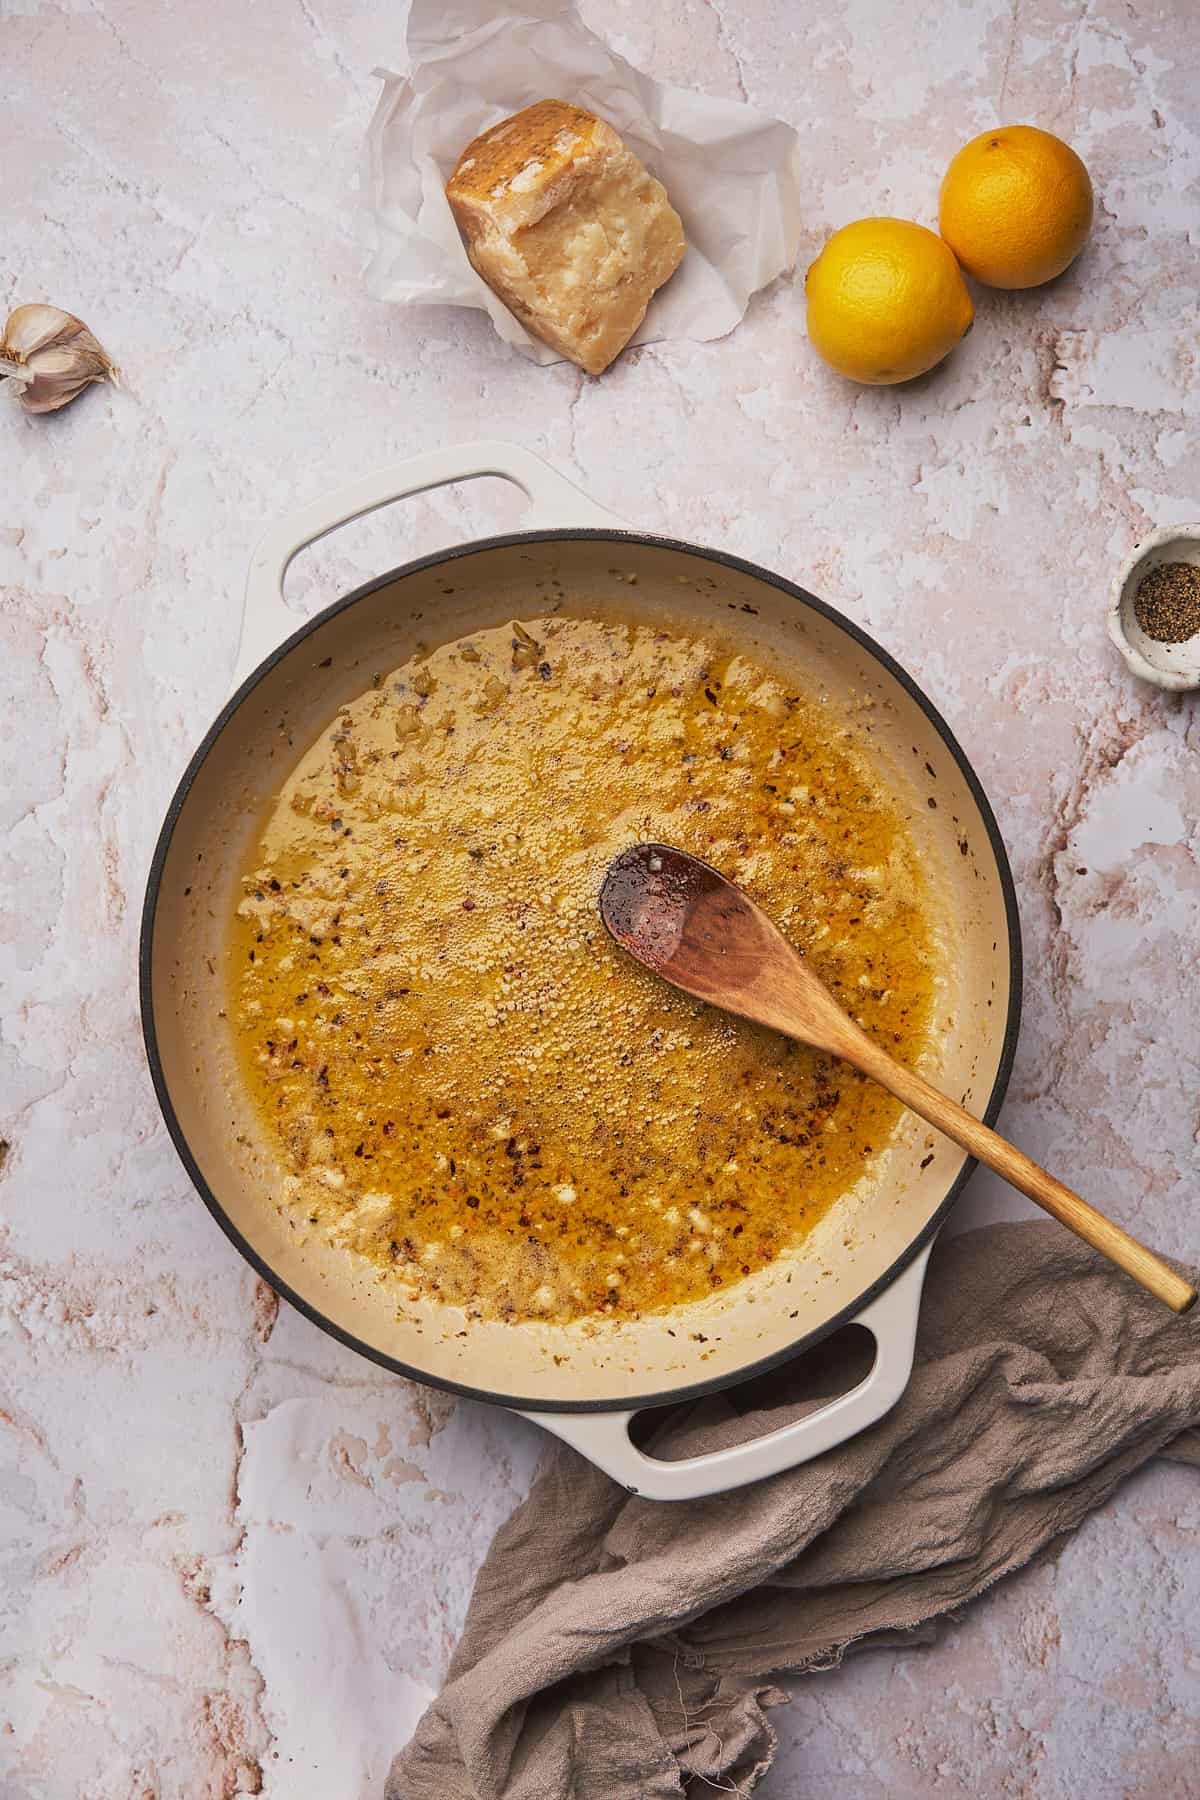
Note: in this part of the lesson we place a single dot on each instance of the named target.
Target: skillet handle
(603, 1437)
(268, 622)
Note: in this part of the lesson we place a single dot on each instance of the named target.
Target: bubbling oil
(461, 1077)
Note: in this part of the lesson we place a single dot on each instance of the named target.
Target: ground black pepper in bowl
(1167, 603)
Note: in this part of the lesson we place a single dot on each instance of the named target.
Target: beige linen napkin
(617, 1647)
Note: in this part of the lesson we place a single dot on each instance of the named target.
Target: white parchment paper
(730, 172)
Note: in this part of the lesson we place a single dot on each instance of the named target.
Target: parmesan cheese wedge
(566, 225)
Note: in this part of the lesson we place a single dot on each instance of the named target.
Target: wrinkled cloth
(616, 1648)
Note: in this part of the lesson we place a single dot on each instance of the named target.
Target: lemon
(886, 301)
(1016, 206)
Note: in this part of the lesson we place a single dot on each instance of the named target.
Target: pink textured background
(235, 1557)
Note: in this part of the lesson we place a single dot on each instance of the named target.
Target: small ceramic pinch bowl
(1168, 665)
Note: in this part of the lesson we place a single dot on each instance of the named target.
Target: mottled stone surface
(234, 1556)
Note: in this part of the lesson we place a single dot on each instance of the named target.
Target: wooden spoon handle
(957, 1123)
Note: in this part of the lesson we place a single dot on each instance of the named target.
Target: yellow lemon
(1016, 206)
(886, 301)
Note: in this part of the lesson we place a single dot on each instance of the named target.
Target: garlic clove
(54, 377)
(32, 328)
(50, 356)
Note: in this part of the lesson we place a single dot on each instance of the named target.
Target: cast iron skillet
(864, 1263)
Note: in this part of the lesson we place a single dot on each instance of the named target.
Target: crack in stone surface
(725, 42)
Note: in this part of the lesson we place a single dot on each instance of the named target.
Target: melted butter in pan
(466, 1081)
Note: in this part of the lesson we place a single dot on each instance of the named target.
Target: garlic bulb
(50, 356)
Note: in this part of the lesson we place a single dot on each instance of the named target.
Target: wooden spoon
(690, 925)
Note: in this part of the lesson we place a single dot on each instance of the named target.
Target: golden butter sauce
(464, 1080)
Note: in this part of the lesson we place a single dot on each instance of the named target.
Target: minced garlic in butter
(464, 1080)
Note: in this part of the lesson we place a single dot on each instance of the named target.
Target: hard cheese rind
(566, 225)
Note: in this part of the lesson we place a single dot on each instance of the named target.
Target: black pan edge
(669, 1396)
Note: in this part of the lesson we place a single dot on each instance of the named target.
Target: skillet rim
(508, 540)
